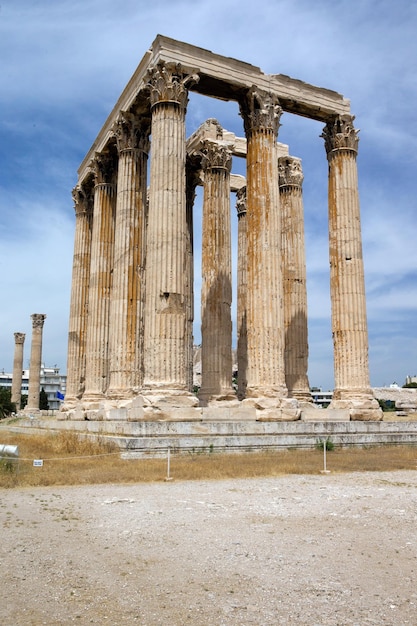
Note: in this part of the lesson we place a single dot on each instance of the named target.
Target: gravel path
(306, 550)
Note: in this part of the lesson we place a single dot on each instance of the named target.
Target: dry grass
(71, 460)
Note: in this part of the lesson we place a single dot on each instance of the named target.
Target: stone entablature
(132, 308)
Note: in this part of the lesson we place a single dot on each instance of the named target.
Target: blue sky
(63, 66)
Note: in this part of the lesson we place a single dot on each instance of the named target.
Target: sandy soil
(316, 550)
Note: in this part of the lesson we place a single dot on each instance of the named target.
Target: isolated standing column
(294, 278)
(16, 398)
(216, 292)
(38, 320)
(347, 283)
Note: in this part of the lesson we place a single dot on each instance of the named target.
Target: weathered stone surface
(38, 320)
(130, 341)
(16, 395)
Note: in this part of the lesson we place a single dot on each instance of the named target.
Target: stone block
(120, 413)
(314, 414)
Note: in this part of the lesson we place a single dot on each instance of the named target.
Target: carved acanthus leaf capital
(340, 134)
(169, 83)
(132, 132)
(19, 337)
(38, 320)
(290, 172)
(103, 167)
(83, 200)
(215, 156)
(261, 111)
(241, 201)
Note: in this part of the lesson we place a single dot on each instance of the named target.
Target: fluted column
(125, 341)
(38, 320)
(265, 315)
(77, 334)
(16, 398)
(242, 348)
(216, 292)
(347, 284)
(166, 340)
(192, 180)
(294, 278)
(102, 252)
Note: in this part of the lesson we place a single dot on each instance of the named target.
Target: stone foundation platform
(154, 438)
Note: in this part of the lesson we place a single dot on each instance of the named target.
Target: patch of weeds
(8, 466)
(329, 444)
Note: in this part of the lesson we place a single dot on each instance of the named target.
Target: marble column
(38, 320)
(125, 336)
(242, 348)
(192, 180)
(83, 200)
(347, 284)
(216, 292)
(166, 340)
(16, 398)
(265, 314)
(102, 253)
(294, 278)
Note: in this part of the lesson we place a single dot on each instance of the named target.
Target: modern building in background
(51, 381)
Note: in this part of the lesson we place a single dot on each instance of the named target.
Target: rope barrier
(65, 458)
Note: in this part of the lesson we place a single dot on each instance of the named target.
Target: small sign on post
(37, 462)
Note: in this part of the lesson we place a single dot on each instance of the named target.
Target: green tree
(6, 404)
(43, 400)
(410, 386)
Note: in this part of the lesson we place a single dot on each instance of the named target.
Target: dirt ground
(306, 550)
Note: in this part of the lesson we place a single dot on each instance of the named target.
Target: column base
(274, 408)
(30, 411)
(362, 406)
(301, 395)
(120, 394)
(170, 405)
(227, 397)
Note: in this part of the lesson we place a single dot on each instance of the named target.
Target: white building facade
(51, 381)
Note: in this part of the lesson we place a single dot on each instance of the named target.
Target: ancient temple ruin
(130, 331)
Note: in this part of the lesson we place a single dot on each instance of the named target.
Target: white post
(168, 477)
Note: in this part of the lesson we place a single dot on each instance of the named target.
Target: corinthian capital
(215, 156)
(83, 200)
(132, 132)
(340, 134)
(241, 201)
(103, 167)
(19, 337)
(261, 111)
(168, 83)
(290, 172)
(38, 320)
